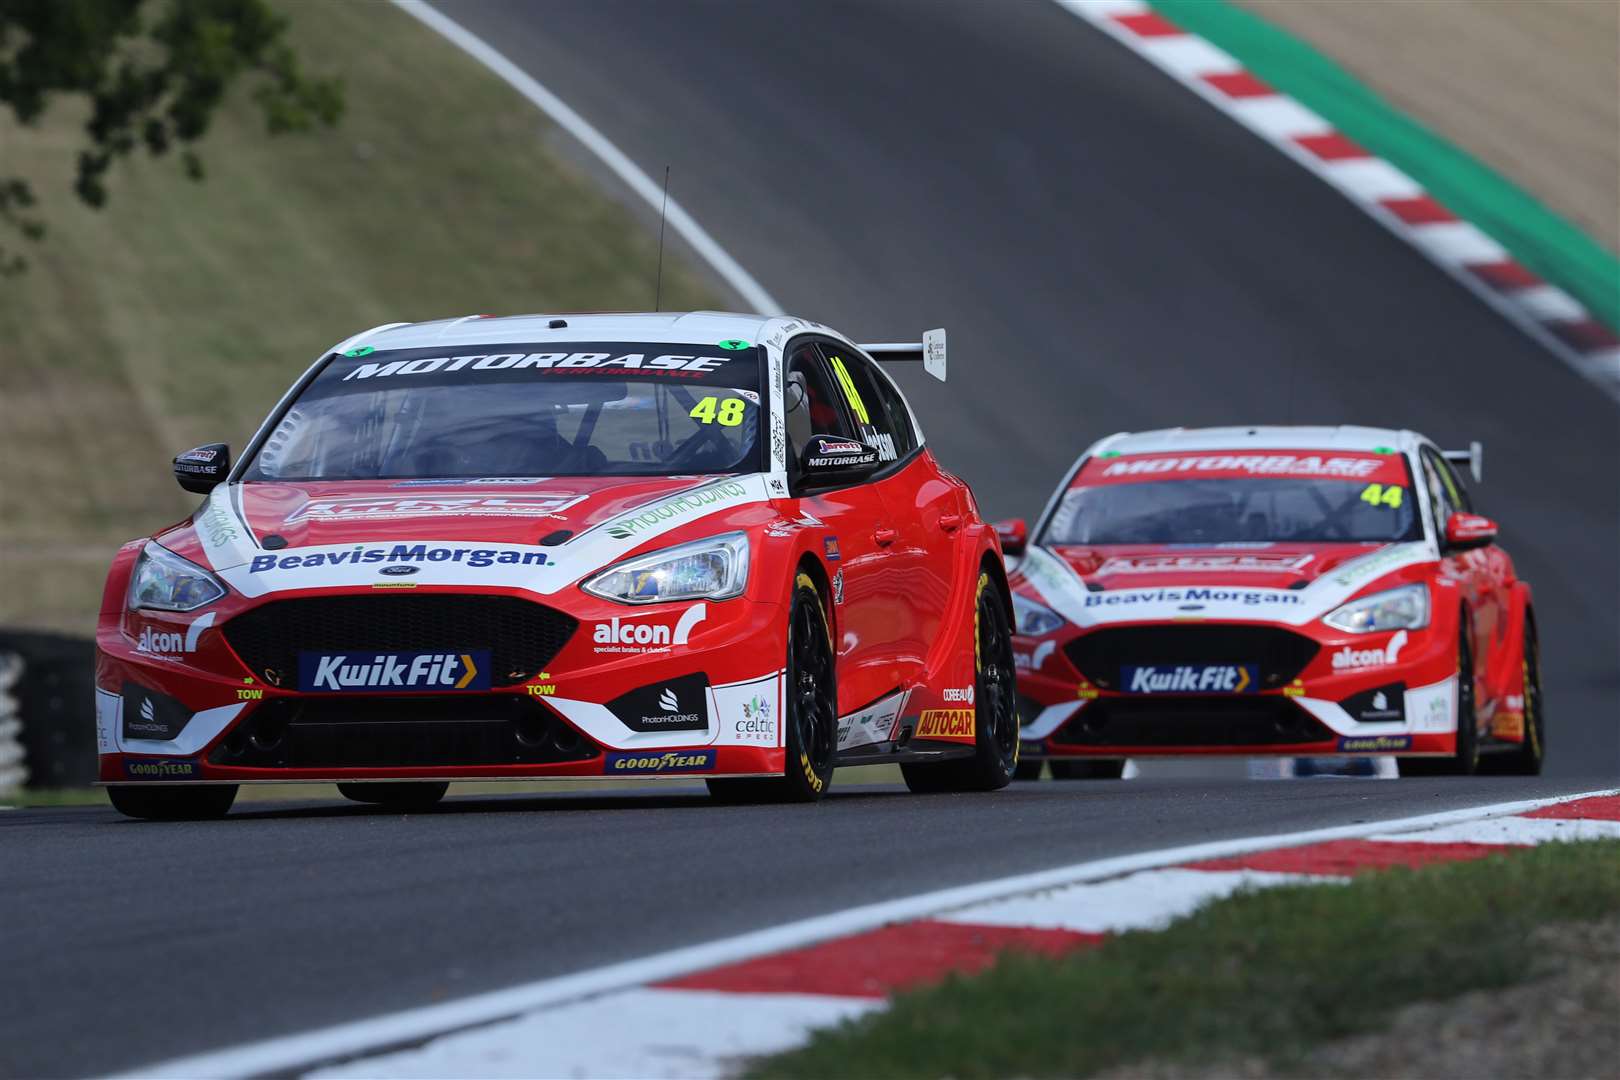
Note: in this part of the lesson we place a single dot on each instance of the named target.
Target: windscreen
(571, 410)
(1273, 496)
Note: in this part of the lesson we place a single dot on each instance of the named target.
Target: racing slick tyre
(1465, 761)
(812, 710)
(1526, 759)
(406, 796)
(1028, 769)
(995, 751)
(173, 803)
(1088, 769)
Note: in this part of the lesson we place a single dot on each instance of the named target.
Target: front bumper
(1317, 694)
(229, 711)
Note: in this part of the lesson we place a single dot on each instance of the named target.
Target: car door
(925, 507)
(1474, 568)
(855, 531)
(1494, 571)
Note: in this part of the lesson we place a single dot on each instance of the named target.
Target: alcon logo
(626, 636)
(1348, 659)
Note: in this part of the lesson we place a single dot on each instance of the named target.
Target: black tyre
(995, 704)
(812, 710)
(173, 803)
(1526, 760)
(404, 795)
(1088, 769)
(1465, 760)
(1029, 769)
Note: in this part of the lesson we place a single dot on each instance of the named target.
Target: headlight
(1034, 619)
(165, 581)
(712, 569)
(1405, 608)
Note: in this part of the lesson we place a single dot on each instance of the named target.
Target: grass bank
(179, 313)
(1262, 976)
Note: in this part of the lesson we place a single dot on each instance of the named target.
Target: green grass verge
(1547, 243)
(180, 313)
(1267, 973)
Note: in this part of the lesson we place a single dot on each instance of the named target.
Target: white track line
(340, 1042)
(638, 1033)
(741, 281)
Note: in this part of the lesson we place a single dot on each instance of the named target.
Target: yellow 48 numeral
(711, 410)
(1389, 495)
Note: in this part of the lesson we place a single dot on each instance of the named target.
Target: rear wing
(1473, 457)
(930, 350)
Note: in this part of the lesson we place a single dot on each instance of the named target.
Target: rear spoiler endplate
(930, 350)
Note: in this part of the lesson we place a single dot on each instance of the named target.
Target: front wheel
(404, 796)
(812, 710)
(1464, 761)
(172, 803)
(995, 708)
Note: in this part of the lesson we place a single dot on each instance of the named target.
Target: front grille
(378, 732)
(522, 637)
(1281, 654)
(1236, 720)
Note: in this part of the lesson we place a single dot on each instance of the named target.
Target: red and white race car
(1299, 591)
(694, 545)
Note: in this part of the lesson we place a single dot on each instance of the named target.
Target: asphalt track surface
(1108, 253)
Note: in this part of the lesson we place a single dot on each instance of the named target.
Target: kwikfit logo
(642, 634)
(339, 672)
(1348, 659)
(1190, 679)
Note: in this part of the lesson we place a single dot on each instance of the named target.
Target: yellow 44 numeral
(711, 410)
(1389, 495)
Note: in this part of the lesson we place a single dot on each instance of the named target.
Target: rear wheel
(812, 710)
(173, 803)
(995, 706)
(1526, 760)
(1465, 760)
(405, 795)
(1088, 769)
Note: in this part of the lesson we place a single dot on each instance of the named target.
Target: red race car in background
(695, 545)
(1297, 591)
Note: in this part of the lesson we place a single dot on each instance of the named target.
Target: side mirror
(829, 460)
(1014, 535)
(1467, 531)
(203, 469)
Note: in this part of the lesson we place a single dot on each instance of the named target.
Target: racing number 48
(728, 413)
(1383, 495)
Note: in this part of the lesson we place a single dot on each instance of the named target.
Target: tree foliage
(154, 72)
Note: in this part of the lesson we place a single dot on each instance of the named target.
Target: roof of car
(675, 327)
(1268, 437)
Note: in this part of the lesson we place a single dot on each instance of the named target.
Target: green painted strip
(1547, 243)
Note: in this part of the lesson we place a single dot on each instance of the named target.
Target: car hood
(536, 534)
(1286, 583)
(1276, 566)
